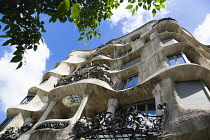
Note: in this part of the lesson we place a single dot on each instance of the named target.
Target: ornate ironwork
(96, 72)
(105, 54)
(164, 19)
(131, 122)
(59, 125)
(14, 133)
(95, 65)
(116, 42)
(110, 42)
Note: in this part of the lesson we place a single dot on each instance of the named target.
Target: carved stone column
(47, 111)
(112, 105)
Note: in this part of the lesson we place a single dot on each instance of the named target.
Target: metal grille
(74, 98)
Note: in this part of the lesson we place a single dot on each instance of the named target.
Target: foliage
(23, 25)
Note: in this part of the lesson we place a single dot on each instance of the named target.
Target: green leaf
(6, 42)
(157, 1)
(144, 7)
(43, 30)
(38, 37)
(81, 38)
(85, 42)
(4, 36)
(129, 7)
(162, 1)
(18, 52)
(153, 12)
(35, 47)
(99, 35)
(6, 27)
(157, 7)
(75, 10)
(140, 4)
(163, 6)
(16, 58)
(19, 65)
(62, 8)
(133, 11)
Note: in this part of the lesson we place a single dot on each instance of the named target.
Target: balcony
(96, 72)
(132, 124)
(95, 65)
(104, 54)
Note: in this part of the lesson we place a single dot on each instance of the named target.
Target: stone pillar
(77, 115)
(112, 105)
(47, 111)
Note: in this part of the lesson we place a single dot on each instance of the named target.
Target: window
(131, 63)
(193, 94)
(27, 99)
(178, 58)
(169, 41)
(131, 81)
(5, 123)
(43, 81)
(147, 107)
(125, 53)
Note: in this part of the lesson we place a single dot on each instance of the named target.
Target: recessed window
(131, 63)
(131, 81)
(5, 123)
(193, 94)
(27, 99)
(147, 107)
(169, 41)
(178, 58)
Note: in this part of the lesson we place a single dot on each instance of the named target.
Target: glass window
(131, 81)
(43, 81)
(176, 59)
(5, 123)
(27, 99)
(147, 107)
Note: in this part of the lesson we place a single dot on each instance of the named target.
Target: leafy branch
(23, 26)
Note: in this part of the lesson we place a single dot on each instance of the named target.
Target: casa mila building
(152, 83)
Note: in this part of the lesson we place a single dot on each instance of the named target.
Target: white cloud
(202, 32)
(128, 22)
(14, 84)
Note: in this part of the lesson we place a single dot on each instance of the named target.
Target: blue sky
(61, 38)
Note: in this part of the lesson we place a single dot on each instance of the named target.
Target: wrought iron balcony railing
(96, 72)
(104, 54)
(95, 65)
(132, 122)
(164, 19)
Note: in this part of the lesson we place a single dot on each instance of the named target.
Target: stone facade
(159, 69)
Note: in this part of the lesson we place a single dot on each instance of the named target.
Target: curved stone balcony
(92, 64)
(96, 72)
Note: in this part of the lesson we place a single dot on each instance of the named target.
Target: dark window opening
(131, 81)
(5, 123)
(27, 99)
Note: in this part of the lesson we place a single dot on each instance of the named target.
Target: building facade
(152, 83)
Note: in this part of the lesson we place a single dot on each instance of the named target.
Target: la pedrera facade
(152, 83)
